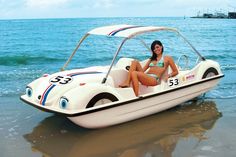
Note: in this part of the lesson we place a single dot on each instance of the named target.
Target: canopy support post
(71, 56)
(113, 61)
(195, 50)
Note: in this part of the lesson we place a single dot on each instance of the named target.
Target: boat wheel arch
(210, 72)
(101, 98)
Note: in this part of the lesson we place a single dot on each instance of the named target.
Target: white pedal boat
(90, 97)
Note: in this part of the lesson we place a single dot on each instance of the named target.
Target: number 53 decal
(173, 82)
(60, 80)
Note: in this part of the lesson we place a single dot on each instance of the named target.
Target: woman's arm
(173, 67)
(146, 65)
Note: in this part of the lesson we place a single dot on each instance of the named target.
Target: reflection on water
(155, 135)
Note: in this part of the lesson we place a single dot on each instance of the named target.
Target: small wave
(221, 93)
(25, 60)
(11, 92)
(220, 97)
(219, 56)
(16, 75)
(226, 86)
(228, 67)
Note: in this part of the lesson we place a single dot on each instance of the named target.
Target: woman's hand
(166, 77)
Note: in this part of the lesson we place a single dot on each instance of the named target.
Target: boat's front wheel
(210, 72)
(101, 99)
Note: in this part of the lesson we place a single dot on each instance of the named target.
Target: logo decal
(190, 77)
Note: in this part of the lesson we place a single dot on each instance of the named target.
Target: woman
(155, 68)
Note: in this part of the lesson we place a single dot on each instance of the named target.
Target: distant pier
(231, 15)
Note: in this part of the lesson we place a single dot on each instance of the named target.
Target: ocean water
(31, 48)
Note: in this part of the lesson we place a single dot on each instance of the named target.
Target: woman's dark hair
(154, 55)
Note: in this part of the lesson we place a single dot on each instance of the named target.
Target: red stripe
(116, 30)
(44, 93)
(121, 29)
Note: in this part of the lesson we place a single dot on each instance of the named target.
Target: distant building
(232, 15)
(221, 15)
(206, 15)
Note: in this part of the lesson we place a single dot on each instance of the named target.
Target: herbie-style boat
(91, 97)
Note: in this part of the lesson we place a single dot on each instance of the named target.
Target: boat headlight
(28, 91)
(63, 103)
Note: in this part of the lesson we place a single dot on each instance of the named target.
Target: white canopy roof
(127, 31)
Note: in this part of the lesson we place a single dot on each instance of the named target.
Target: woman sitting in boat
(153, 71)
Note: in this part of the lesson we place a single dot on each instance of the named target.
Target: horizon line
(44, 18)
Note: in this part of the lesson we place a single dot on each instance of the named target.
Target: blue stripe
(85, 73)
(46, 94)
(124, 29)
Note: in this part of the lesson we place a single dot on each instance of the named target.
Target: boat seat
(118, 76)
(143, 89)
(124, 63)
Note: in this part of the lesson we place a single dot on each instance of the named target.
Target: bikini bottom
(155, 76)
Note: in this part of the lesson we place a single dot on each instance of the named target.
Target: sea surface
(30, 48)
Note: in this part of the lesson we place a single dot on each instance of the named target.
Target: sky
(31, 9)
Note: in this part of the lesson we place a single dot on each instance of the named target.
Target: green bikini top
(160, 63)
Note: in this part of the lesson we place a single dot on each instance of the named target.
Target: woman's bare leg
(143, 78)
(135, 66)
(135, 82)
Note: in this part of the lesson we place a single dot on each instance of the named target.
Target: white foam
(208, 148)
